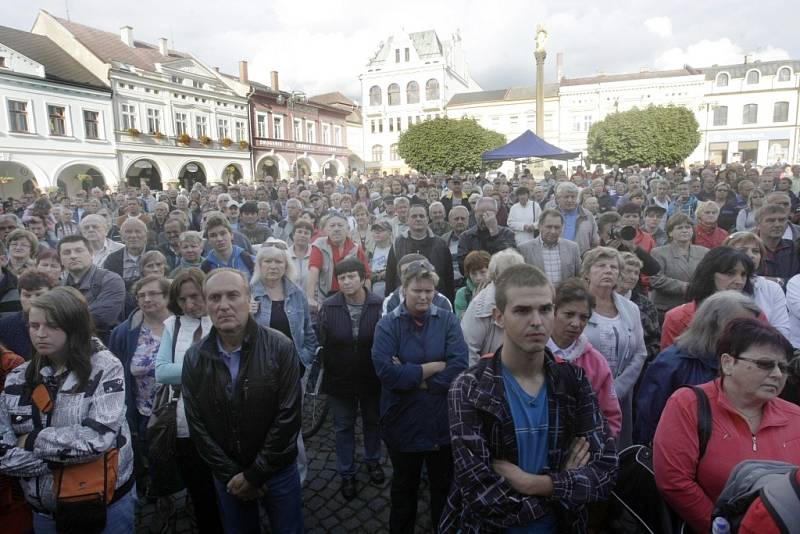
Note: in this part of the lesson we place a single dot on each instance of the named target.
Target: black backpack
(636, 506)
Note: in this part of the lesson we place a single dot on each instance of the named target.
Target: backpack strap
(704, 419)
(175, 335)
(782, 499)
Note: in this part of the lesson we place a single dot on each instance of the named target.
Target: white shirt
(519, 216)
(108, 247)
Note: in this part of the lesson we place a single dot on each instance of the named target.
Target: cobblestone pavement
(325, 510)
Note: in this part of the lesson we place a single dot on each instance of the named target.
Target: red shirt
(677, 321)
(691, 487)
(316, 258)
(646, 242)
(709, 237)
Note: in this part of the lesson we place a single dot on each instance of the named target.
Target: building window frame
(19, 117)
(432, 90)
(781, 71)
(239, 130)
(754, 80)
(277, 126)
(128, 113)
(393, 152)
(337, 135)
(723, 76)
(153, 120)
(262, 126)
(377, 153)
(720, 117)
(201, 125)
(750, 114)
(375, 96)
(181, 123)
(780, 111)
(393, 94)
(412, 92)
(92, 127)
(58, 125)
(311, 131)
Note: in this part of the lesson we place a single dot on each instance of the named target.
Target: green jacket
(463, 297)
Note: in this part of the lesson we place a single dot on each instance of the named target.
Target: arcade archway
(16, 179)
(192, 173)
(144, 171)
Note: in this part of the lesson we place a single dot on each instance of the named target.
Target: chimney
(748, 59)
(559, 66)
(163, 49)
(273, 77)
(126, 34)
(243, 71)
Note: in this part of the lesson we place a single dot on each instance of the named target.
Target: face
(550, 230)
(708, 215)
(628, 278)
(220, 238)
(134, 237)
(172, 231)
(20, 249)
(721, 192)
(458, 220)
(51, 267)
(301, 237)
(93, 231)
(630, 219)
(528, 318)
(570, 320)
(752, 250)
(26, 296)
(480, 276)
(749, 379)
(293, 210)
(780, 200)
(661, 190)
(350, 284)
(6, 228)
(694, 188)
(455, 187)
(75, 257)
(191, 251)
(734, 279)
(772, 225)
(401, 210)
(362, 219)
(417, 220)
(133, 206)
(682, 191)
(651, 222)
(604, 273)
(37, 227)
(419, 295)
(483, 212)
(228, 302)
(437, 213)
(151, 300)
(46, 337)
(757, 198)
(567, 201)
(154, 266)
(765, 183)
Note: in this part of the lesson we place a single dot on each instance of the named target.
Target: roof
(426, 43)
(506, 95)
(767, 68)
(109, 47)
(644, 75)
(58, 65)
(528, 145)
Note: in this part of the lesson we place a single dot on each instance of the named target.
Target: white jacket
(793, 305)
(770, 298)
(519, 216)
(482, 333)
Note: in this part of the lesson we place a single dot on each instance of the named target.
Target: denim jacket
(296, 308)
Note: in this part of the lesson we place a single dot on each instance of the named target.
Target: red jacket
(677, 321)
(691, 487)
(709, 237)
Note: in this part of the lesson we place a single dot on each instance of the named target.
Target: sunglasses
(765, 364)
(280, 245)
(419, 266)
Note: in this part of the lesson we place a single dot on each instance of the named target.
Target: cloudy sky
(323, 45)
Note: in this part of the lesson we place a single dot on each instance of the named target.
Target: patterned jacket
(84, 424)
(482, 429)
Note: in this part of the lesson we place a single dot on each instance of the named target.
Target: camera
(623, 233)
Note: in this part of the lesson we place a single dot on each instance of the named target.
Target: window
(408, 55)
(201, 121)
(380, 125)
(91, 124)
(778, 150)
(375, 96)
(337, 135)
(394, 94)
(780, 112)
(18, 116)
(513, 121)
(197, 85)
(784, 74)
(240, 135)
(750, 114)
(398, 123)
(277, 126)
(377, 153)
(57, 120)
(748, 151)
(326, 134)
(432, 89)
(391, 124)
(397, 55)
(153, 120)
(753, 77)
(128, 116)
(587, 122)
(3, 60)
(223, 129)
(311, 131)
(372, 123)
(722, 80)
(177, 79)
(393, 152)
(297, 132)
(718, 152)
(261, 125)
(412, 93)
(181, 123)
(720, 115)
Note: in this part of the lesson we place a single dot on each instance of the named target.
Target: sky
(320, 46)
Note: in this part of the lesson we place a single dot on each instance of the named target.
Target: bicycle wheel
(315, 403)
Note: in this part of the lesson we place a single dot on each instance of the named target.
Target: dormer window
(2, 62)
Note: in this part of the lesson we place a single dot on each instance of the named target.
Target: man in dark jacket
(487, 234)
(241, 390)
(347, 324)
(421, 240)
(9, 294)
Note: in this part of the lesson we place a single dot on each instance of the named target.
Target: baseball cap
(382, 225)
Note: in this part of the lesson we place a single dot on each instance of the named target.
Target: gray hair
(190, 236)
(487, 200)
(700, 340)
(11, 217)
(93, 217)
(133, 221)
(401, 200)
(566, 187)
(269, 252)
(503, 260)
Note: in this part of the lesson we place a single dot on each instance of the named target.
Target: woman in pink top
(750, 422)
(574, 306)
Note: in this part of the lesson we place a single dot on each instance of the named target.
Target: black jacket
(477, 239)
(254, 430)
(432, 247)
(348, 363)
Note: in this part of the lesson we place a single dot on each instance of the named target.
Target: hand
(239, 487)
(578, 455)
(396, 360)
(490, 220)
(253, 305)
(513, 475)
(21, 441)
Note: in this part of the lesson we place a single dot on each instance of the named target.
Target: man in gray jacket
(558, 258)
(579, 224)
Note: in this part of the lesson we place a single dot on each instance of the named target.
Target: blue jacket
(670, 370)
(240, 260)
(414, 419)
(123, 341)
(296, 308)
(14, 334)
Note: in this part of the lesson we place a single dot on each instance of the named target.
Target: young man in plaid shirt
(530, 445)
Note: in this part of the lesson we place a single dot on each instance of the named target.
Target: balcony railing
(168, 140)
(300, 146)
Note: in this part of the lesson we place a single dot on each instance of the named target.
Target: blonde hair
(596, 254)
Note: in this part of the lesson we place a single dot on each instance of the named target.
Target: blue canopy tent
(528, 145)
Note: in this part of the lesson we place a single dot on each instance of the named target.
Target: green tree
(445, 145)
(660, 135)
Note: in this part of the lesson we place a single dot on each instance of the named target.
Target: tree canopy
(445, 145)
(660, 135)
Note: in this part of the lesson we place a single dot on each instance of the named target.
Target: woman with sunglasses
(749, 421)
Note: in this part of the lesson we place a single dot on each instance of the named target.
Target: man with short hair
(782, 199)
(400, 220)
(249, 225)
(8, 223)
(125, 261)
(579, 224)
(283, 230)
(9, 294)
(171, 249)
(544, 448)
(156, 225)
(94, 229)
(781, 261)
(455, 196)
(223, 252)
(558, 258)
(133, 208)
(458, 219)
(104, 290)
(36, 224)
(241, 391)
(487, 234)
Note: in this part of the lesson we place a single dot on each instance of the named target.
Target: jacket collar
(371, 299)
(772, 415)
(208, 348)
(402, 311)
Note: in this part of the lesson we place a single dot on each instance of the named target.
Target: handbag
(162, 426)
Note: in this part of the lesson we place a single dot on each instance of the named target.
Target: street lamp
(290, 99)
(540, 53)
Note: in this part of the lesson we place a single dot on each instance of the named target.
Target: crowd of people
(503, 340)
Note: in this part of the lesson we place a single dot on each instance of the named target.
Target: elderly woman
(476, 268)
(22, 246)
(749, 422)
(79, 416)
(768, 294)
(746, 219)
(678, 261)
(708, 233)
(615, 329)
(629, 288)
(722, 268)
(418, 350)
(361, 232)
(689, 361)
(190, 246)
(482, 334)
(48, 262)
(187, 326)
(153, 262)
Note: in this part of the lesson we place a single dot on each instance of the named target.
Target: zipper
(755, 446)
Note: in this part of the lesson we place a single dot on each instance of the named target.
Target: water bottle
(720, 526)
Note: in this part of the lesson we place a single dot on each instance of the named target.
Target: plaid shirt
(482, 428)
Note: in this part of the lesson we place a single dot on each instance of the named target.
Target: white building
(409, 79)
(175, 119)
(56, 123)
(750, 112)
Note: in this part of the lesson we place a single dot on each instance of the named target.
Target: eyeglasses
(280, 245)
(419, 267)
(765, 364)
